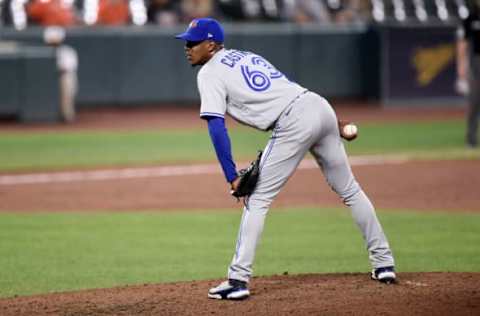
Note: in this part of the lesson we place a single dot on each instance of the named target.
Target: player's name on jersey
(231, 58)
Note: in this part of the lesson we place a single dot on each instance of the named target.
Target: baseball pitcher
(254, 92)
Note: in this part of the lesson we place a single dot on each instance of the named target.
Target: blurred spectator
(51, 12)
(231, 9)
(348, 11)
(2, 12)
(67, 64)
(5, 16)
(270, 10)
(13, 13)
(163, 12)
(172, 12)
(113, 12)
(298, 11)
(306, 11)
(191, 9)
(251, 9)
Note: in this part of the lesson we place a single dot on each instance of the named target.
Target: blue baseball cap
(203, 29)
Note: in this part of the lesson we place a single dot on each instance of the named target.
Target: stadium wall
(29, 84)
(146, 65)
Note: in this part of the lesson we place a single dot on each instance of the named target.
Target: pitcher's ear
(212, 47)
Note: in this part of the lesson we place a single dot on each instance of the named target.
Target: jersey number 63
(258, 80)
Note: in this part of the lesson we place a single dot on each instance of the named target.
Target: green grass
(48, 252)
(418, 136)
(88, 149)
(41, 151)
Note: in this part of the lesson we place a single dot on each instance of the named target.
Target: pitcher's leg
(280, 159)
(67, 95)
(332, 158)
(250, 231)
(364, 215)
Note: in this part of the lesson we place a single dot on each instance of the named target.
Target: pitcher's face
(198, 53)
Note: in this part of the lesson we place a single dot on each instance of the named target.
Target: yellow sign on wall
(430, 62)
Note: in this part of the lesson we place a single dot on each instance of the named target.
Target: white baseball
(350, 130)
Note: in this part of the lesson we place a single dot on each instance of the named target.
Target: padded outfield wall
(146, 65)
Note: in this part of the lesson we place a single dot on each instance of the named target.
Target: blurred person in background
(5, 18)
(67, 65)
(232, 9)
(260, 10)
(348, 11)
(163, 12)
(468, 68)
(113, 12)
(306, 11)
(326, 11)
(191, 9)
(51, 12)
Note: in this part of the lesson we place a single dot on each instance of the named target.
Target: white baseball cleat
(384, 275)
(230, 290)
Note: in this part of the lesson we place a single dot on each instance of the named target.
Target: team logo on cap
(193, 24)
(210, 35)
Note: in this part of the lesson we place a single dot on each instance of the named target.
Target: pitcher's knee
(257, 203)
(348, 194)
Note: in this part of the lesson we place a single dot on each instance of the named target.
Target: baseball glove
(248, 178)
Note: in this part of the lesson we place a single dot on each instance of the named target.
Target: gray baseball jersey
(246, 86)
(251, 90)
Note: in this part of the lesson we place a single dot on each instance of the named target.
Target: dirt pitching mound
(324, 294)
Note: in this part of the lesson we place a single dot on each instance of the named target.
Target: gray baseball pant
(309, 124)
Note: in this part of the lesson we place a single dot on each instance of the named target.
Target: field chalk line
(165, 171)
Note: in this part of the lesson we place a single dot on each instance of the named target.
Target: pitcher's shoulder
(210, 73)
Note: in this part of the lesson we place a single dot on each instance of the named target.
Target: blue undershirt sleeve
(221, 142)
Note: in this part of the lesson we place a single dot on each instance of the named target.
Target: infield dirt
(329, 294)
